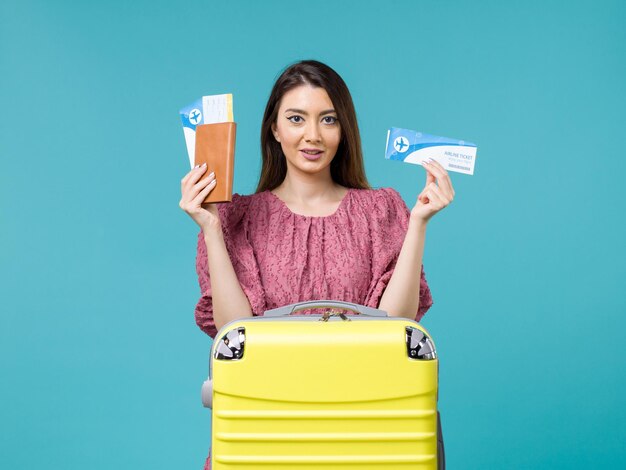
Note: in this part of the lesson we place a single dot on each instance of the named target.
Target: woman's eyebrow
(301, 111)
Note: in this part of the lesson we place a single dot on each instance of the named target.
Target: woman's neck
(309, 189)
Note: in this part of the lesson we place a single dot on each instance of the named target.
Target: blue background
(101, 361)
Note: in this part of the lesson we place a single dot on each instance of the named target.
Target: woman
(314, 229)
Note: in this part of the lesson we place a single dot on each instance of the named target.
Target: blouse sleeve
(388, 229)
(235, 230)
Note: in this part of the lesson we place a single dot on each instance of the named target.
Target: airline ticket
(206, 110)
(414, 147)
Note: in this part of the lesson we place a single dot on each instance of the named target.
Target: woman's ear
(275, 132)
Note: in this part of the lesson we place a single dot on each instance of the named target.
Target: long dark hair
(347, 167)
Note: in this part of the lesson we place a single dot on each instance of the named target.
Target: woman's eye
(295, 119)
(330, 120)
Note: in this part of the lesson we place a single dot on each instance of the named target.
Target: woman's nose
(312, 133)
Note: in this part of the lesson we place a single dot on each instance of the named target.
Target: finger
(197, 201)
(432, 193)
(422, 197)
(430, 177)
(193, 191)
(190, 193)
(434, 204)
(192, 187)
(436, 164)
(435, 168)
(438, 197)
(193, 176)
(445, 181)
(186, 177)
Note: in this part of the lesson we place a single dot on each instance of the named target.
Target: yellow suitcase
(329, 392)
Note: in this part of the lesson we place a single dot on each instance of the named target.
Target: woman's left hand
(437, 193)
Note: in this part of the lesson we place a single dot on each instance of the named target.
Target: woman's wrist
(418, 224)
(211, 232)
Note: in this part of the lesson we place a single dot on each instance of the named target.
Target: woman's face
(307, 128)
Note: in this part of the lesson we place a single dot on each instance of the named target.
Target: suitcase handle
(292, 308)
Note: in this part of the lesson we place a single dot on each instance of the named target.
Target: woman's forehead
(306, 98)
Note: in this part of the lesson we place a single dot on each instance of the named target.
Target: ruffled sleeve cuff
(234, 230)
(426, 299)
(388, 230)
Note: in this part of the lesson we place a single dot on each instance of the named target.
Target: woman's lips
(311, 156)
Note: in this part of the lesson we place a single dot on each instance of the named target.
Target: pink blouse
(281, 257)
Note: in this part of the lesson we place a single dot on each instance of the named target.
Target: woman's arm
(229, 300)
(401, 297)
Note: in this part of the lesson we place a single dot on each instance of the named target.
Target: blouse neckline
(337, 211)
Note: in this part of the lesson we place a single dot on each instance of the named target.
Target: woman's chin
(311, 168)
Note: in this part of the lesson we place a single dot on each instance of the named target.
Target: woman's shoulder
(378, 198)
(240, 202)
(242, 199)
(234, 210)
(381, 207)
(242, 206)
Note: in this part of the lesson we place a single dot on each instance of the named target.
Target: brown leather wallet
(215, 146)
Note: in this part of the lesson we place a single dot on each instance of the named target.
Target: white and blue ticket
(206, 110)
(410, 146)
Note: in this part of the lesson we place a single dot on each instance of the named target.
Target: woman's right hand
(193, 193)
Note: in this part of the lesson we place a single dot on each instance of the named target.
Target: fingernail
(204, 164)
(212, 174)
